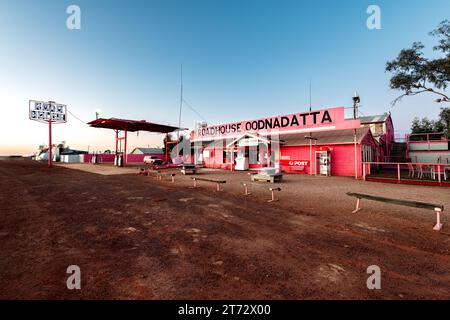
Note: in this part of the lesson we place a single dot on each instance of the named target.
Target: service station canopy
(132, 125)
(126, 126)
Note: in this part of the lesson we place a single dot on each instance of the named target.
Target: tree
(61, 145)
(414, 74)
(171, 140)
(444, 116)
(425, 125)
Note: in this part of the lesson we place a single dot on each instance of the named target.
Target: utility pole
(356, 101)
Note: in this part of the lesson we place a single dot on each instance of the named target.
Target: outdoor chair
(411, 170)
(424, 171)
(434, 172)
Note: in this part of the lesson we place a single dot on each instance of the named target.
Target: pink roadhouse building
(315, 142)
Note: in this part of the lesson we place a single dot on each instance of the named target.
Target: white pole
(356, 158)
(310, 157)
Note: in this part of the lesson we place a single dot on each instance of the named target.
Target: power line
(360, 112)
(76, 117)
(193, 110)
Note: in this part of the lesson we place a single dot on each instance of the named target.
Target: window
(367, 153)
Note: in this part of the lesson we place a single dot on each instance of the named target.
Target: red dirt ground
(135, 237)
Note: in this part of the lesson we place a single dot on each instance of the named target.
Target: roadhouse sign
(326, 119)
(46, 111)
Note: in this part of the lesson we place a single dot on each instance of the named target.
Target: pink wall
(215, 159)
(390, 135)
(387, 139)
(296, 153)
(378, 148)
(342, 158)
(131, 158)
(101, 158)
(139, 158)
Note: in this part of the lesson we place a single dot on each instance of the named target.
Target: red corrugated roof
(132, 125)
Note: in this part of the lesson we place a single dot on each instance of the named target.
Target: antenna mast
(181, 103)
(179, 115)
(356, 101)
(310, 98)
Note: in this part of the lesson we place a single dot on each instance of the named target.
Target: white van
(151, 159)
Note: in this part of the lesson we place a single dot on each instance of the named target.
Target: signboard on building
(249, 142)
(295, 163)
(319, 120)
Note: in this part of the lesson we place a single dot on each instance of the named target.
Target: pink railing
(426, 137)
(418, 171)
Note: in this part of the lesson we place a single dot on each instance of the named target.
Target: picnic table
(267, 175)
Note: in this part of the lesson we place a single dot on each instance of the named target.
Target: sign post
(48, 112)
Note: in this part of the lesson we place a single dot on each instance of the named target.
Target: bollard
(157, 174)
(195, 182)
(358, 208)
(438, 225)
(273, 195)
(246, 189)
(173, 177)
(218, 186)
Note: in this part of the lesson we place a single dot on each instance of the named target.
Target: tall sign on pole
(48, 112)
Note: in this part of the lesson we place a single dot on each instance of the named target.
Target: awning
(326, 137)
(248, 135)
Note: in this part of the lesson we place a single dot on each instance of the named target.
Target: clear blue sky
(242, 60)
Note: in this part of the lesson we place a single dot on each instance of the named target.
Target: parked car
(152, 160)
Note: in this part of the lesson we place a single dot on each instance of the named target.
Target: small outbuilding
(147, 151)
